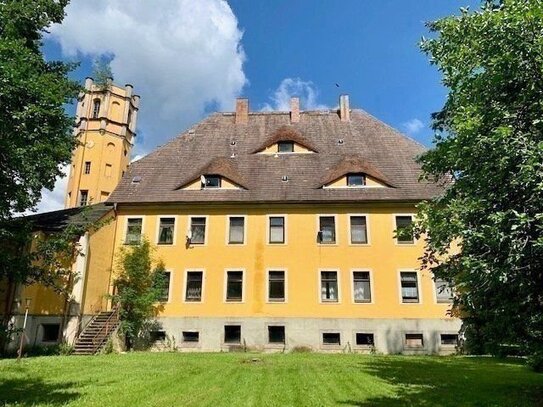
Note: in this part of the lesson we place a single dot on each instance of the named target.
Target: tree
(484, 234)
(140, 286)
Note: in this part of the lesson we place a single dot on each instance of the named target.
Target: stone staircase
(97, 332)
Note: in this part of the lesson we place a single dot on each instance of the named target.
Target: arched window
(96, 109)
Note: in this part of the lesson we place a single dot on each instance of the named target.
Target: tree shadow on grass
(453, 382)
(33, 391)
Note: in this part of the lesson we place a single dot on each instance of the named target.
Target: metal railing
(108, 327)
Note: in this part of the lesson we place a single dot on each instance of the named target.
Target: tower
(106, 123)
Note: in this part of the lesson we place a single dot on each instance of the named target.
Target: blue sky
(189, 58)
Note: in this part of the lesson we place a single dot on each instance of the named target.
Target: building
(278, 231)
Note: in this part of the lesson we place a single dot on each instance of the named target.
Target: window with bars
(327, 229)
(198, 230)
(359, 230)
(410, 287)
(234, 286)
(277, 229)
(236, 233)
(404, 234)
(133, 230)
(193, 290)
(276, 286)
(329, 286)
(361, 286)
(166, 230)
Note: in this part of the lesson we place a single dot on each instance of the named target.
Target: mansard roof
(363, 143)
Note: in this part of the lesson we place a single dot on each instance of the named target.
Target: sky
(189, 58)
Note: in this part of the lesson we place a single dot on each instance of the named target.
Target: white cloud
(54, 200)
(413, 126)
(181, 56)
(289, 87)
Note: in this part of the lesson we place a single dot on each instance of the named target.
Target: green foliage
(35, 131)
(102, 74)
(65, 349)
(489, 154)
(140, 287)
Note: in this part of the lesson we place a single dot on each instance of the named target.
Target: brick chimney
(344, 112)
(242, 110)
(294, 110)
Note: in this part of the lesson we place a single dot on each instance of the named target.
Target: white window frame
(435, 295)
(267, 293)
(441, 346)
(169, 287)
(415, 241)
(366, 270)
(319, 277)
(336, 226)
(243, 285)
(276, 215)
(206, 231)
(126, 228)
(185, 281)
(176, 221)
(227, 236)
(368, 237)
(419, 286)
(331, 345)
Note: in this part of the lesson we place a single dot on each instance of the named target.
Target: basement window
(285, 147)
(50, 332)
(191, 336)
(364, 339)
(449, 339)
(157, 336)
(276, 334)
(331, 338)
(232, 334)
(414, 341)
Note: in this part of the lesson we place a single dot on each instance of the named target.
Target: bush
(535, 361)
(65, 349)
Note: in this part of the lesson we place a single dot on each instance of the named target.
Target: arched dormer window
(96, 108)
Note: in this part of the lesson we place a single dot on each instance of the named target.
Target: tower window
(285, 147)
(96, 109)
(87, 167)
(107, 171)
(129, 119)
(83, 197)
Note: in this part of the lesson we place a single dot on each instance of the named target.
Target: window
(327, 229)
(329, 286)
(133, 230)
(87, 167)
(211, 181)
(96, 109)
(232, 333)
(331, 338)
(103, 196)
(108, 170)
(83, 197)
(361, 286)
(276, 334)
(403, 226)
(276, 286)
(157, 336)
(234, 286)
(165, 295)
(166, 227)
(364, 339)
(197, 230)
(410, 289)
(285, 147)
(50, 332)
(129, 118)
(277, 229)
(449, 339)
(236, 233)
(359, 230)
(356, 180)
(193, 290)
(191, 336)
(414, 340)
(444, 292)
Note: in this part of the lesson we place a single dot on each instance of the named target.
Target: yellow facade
(106, 119)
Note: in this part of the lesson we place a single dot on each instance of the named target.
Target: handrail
(99, 338)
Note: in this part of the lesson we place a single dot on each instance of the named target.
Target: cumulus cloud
(290, 87)
(182, 56)
(413, 126)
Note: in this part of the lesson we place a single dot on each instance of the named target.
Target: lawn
(240, 379)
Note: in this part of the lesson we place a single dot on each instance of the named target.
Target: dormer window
(211, 181)
(356, 180)
(285, 147)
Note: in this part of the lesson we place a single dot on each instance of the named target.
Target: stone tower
(106, 123)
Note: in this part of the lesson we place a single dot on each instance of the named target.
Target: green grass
(233, 379)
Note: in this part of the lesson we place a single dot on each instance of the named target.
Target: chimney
(344, 112)
(242, 110)
(294, 110)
